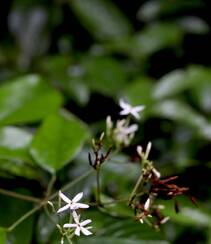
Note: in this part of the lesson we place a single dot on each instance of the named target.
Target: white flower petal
(125, 112)
(79, 205)
(135, 114)
(85, 231)
(77, 197)
(63, 208)
(70, 225)
(138, 108)
(85, 222)
(77, 231)
(131, 129)
(123, 104)
(64, 198)
(76, 217)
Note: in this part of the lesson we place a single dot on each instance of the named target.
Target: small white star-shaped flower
(79, 226)
(123, 134)
(72, 204)
(128, 109)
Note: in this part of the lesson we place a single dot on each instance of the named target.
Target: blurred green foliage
(63, 67)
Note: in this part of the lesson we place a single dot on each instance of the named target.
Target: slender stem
(72, 183)
(50, 185)
(41, 203)
(138, 183)
(69, 240)
(25, 216)
(19, 196)
(112, 214)
(98, 191)
(49, 215)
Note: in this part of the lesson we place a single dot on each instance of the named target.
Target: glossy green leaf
(139, 92)
(104, 74)
(58, 140)
(179, 80)
(2, 236)
(16, 167)
(183, 113)
(194, 25)
(108, 240)
(14, 143)
(13, 210)
(153, 9)
(156, 37)
(102, 18)
(45, 228)
(170, 84)
(14, 153)
(115, 169)
(27, 99)
(201, 95)
(188, 215)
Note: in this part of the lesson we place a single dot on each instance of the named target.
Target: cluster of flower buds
(75, 226)
(148, 169)
(145, 209)
(155, 188)
(123, 132)
(99, 156)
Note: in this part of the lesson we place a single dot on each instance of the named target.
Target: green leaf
(179, 80)
(188, 215)
(152, 9)
(170, 84)
(104, 74)
(27, 99)
(58, 140)
(14, 143)
(116, 240)
(139, 92)
(156, 37)
(13, 210)
(201, 95)
(114, 170)
(14, 153)
(194, 25)
(2, 236)
(181, 112)
(102, 18)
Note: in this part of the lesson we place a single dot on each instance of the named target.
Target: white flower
(123, 134)
(128, 109)
(79, 226)
(72, 204)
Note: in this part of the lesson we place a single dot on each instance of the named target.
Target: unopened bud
(149, 146)
(147, 204)
(102, 136)
(156, 173)
(139, 150)
(164, 220)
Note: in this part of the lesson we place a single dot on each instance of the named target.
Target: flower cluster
(123, 133)
(72, 205)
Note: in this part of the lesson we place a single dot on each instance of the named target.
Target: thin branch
(71, 184)
(24, 217)
(20, 196)
(50, 185)
(41, 203)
